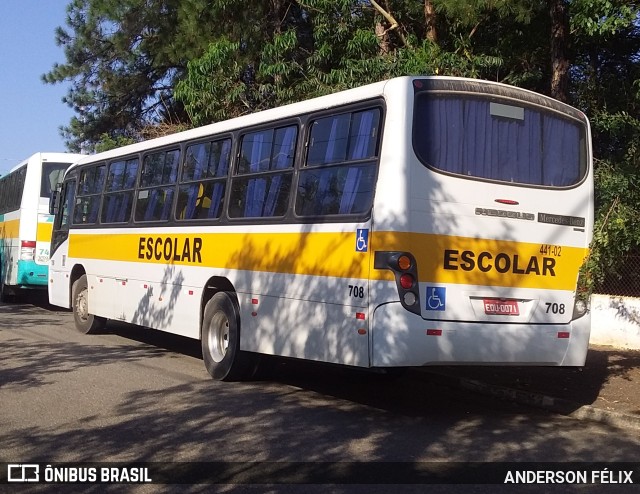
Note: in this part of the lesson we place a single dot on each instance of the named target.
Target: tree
(605, 72)
(322, 46)
(123, 58)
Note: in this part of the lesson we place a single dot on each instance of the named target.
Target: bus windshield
(482, 138)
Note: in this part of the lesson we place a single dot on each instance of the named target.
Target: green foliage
(617, 213)
(124, 57)
(108, 142)
(323, 46)
(602, 17)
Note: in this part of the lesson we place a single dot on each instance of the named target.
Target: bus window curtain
(151, 204)
(256, 187)
(222, 169)
(463, 137)
(111, 208)
(561, 154)
(200, 158)
(216, 200)
(281, 162)
(360, 151)
(326, 175)
(167, 195)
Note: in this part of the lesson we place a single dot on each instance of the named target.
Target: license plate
(497, 307)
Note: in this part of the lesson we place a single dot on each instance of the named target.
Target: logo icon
(23, 472)
(436, 298)
(362, 239)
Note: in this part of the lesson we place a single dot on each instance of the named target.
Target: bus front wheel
(221, 339)
(84, 321)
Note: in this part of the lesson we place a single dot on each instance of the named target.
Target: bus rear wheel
(221, 339)
(6, 295)
(84, 321)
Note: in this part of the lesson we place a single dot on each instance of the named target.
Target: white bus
(411, 222)
(25, 222)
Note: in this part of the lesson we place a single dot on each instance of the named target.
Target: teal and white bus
(25, 222)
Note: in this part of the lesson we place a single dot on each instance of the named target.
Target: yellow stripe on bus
(465, 260)
(318, 254)
(10, 229)
(44, 232)
(441, 259)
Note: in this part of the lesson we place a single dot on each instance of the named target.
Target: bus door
(58, 268)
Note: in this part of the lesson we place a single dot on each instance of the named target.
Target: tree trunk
(559, 43)
(430, 21)
(381, 33)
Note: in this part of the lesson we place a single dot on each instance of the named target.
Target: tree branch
(394, 23)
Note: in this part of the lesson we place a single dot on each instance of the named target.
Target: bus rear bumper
(402, 339)
(32, 275)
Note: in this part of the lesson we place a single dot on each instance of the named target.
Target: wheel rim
(218, 336)
(82, 307)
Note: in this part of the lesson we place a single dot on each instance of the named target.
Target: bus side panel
(135, 294)
(43, 238)
(10, 251)
(304, 329)
(306, 293)
(169, 304)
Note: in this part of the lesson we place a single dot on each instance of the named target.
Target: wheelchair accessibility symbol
(436, 298)
(362, 239)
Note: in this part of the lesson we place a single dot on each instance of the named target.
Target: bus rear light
(27, 250)
(409, 298)
(406, 281)
(404, 263)
(580, 307)
(403, 266)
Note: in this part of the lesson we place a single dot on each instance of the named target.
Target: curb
(552, 404)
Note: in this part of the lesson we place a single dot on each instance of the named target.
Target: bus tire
(221, 340)
(85, 322)
(4, 293)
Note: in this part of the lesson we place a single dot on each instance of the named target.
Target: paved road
(138, 395)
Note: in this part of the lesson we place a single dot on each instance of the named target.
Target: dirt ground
(610, 380)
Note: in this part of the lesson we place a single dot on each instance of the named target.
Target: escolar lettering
(170, 249)
(484, 261)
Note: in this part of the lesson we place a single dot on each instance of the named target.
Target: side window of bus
(339, 175)
(11, 188)
(203, 180)
(9, 192)
(89, 192)
(117, 202)
(262, 185)
(157, 186)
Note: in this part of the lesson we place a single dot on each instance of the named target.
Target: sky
(31, 112)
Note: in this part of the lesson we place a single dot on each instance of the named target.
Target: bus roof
(339, 98)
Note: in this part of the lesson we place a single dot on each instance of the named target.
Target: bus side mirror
(53, 201)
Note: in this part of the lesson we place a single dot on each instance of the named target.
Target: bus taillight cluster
(405, 269)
